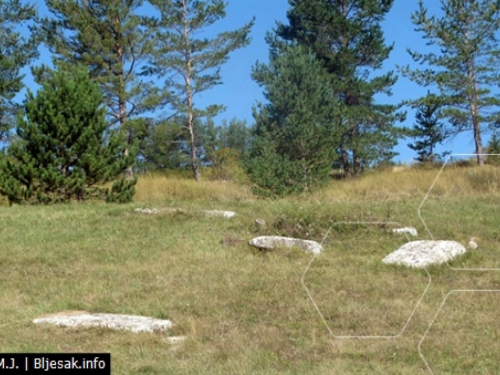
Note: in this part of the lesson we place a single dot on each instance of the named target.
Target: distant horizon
(239, 93)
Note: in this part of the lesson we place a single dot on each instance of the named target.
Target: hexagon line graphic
(319, 311)
(437, 313)
(425, 198)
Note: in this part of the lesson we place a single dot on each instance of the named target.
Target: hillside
(247, 312)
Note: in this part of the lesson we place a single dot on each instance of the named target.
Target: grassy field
(246, 311)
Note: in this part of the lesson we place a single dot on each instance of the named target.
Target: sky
(239, 93)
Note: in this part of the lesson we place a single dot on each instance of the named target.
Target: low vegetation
(246, 311)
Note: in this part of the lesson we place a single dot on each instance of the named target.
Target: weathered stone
(175, 339)
(225, 214)
(132, 323)
(420, 254)
(147, 210)
(157, 210)
(271, 242)
(409, 230)
(473, 244)
(260, 223)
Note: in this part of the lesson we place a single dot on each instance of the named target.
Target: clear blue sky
(239, 93)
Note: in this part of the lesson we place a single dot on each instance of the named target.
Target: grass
(245, 311)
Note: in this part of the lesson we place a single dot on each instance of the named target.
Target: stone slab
(133, 323)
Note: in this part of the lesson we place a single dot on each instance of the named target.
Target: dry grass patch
(158, 187)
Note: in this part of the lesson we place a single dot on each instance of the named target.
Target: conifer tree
(63, 151)
(111, 39)
(466, 66)
(493, 149)
(161, 146)
(428, 130)
(346, 36)
(16, 52)
(191, 64)
(234, 135)
(292, 139)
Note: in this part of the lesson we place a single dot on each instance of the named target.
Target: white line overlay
(437, 313)
(429, 276)
(452, 268)
(317, 308)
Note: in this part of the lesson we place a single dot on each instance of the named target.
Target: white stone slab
(409, 230)
(271, 242)
(225, 214)
(133, 323)
(151, 211)
(211, 213)
(420, 254)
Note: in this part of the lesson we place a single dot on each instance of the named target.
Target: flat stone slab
(409, 230)
(224, 214)
(133, 323)
(420, 254)
(210, 213)
(151, 211)
(271, 242)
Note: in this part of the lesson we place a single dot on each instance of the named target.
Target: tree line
(116, 68)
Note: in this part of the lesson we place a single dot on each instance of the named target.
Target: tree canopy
(346, 36)
(466, 66)
(191, 64)
(16, 52)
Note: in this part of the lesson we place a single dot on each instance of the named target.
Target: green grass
(246, 311)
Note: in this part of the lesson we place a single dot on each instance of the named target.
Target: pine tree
(191, 64)
(291, 149)
(161, 147)
(111, 39)
(234, 135)
(63, 151)
(346, 36)
(428, 129)
(16, 52)
(493, 149)
(467, 64)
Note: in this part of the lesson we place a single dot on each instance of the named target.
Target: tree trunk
(194, 161)
(129, 173)
(472, 93)
(189, 97)
(479, 145)
(122, 104)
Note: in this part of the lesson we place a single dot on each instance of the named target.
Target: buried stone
(271, 242)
